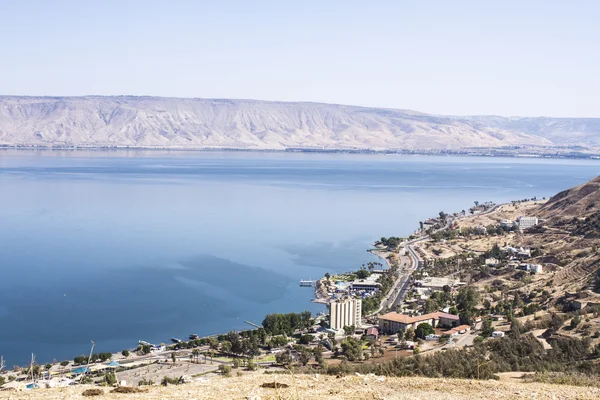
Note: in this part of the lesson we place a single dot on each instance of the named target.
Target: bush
(145, 382)
(125, 353)
(225, 370)
(92, 392)
(64, 363)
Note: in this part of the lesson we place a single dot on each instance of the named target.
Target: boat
(306, 283)
(175, 340)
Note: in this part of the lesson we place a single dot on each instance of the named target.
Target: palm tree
(196, 354)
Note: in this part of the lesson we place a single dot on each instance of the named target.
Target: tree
(423, 330)
(305, 355)
(196, 354)
(306, 339)
(125, 353)
(349, 330)
(173, 357)
(64, 363)
(400, 335)
(283, 358)
(327, 275)
(48, 366)
(409, 334)
(2, 380)
(486, 328)
(467, 298)
(352, 349)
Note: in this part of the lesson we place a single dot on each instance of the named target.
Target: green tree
(349, 330)
(352, 349)
(64, 363)
(48, 366)
(305, 355)
(125, 353)
(409, 334)
(306, 339)
(423, 330)
(283, 358)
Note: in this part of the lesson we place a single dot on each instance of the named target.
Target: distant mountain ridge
(156, 122)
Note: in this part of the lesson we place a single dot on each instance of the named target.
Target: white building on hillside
(344, 312)
(527, 222)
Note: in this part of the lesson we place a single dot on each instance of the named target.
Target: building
(507, 223)
(526, 222)
(492, 262)
(372, 334)
(393, 322)
(344, 312)
(458, 330)
(368, 284)
(436, 284)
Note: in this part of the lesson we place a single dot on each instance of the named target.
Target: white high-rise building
(344, 312)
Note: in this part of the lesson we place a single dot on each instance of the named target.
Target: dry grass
(313, 387)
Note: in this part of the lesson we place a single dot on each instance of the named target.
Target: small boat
(306, 283)
(193, 336)
(175, 340)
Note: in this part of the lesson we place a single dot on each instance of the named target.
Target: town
(515, 274)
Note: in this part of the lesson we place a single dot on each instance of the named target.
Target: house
(436, 284)
(498, 317)
(507, 223)
(497, 334)
(459, 330)
(578, 304)
(523, 253)
(492, 262)
(527, 222)
(482, 230)
(393, 322)
(372, 334)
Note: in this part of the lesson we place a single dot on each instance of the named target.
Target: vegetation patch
(92, 392)
(274, 385)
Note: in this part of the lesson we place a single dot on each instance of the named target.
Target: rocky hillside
(249, 124)
(580, 201)
(329, 387)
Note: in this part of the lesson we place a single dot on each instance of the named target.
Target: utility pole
(88, 362)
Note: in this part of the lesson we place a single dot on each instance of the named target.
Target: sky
(525, 58)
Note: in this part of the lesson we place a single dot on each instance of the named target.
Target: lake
(121, 246)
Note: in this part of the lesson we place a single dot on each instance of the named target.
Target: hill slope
(96, 121)
(329, 387)
(579, 201)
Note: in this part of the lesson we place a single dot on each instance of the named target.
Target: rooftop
(405, 319)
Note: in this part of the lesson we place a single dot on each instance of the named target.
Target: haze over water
(122, 246)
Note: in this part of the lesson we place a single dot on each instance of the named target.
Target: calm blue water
(123, 246)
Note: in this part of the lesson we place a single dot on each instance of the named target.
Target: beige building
(344, 312)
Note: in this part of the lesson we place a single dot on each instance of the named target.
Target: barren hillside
(118, 121)
(328, 387)
(579, 201)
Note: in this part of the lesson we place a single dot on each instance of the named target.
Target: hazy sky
(449, 57)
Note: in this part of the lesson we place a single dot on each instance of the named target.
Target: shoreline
(467, 152)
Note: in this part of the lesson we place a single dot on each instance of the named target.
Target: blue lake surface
(129, 245)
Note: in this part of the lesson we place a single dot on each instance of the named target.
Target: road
(396, 295)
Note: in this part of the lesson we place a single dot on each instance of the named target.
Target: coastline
(467, 152)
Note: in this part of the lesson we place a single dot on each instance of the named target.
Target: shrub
(93, 392)
(225, 369)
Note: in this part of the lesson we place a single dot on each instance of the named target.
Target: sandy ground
(328, 387)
